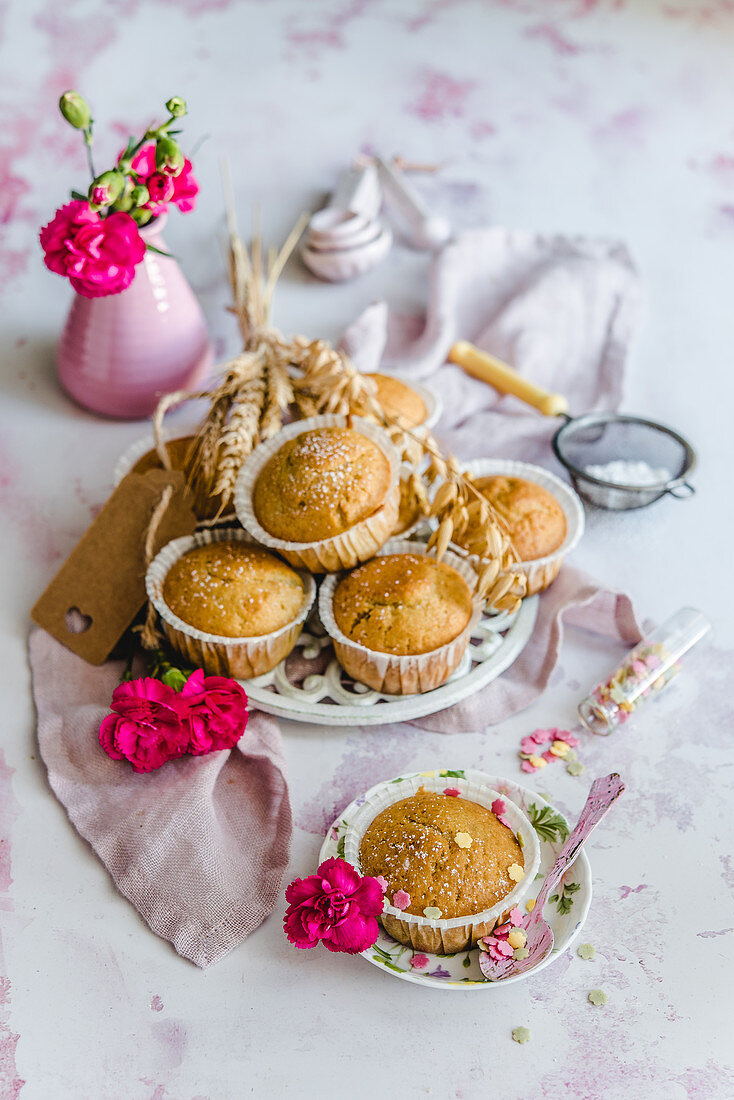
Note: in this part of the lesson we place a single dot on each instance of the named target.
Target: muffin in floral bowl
(456, 857)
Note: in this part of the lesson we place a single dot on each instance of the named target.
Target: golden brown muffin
(535, 518)
(179, 452)
(233, 590)
(321, 483)
(399, 400)
(444, 852)
(402, 604)
(409, 511)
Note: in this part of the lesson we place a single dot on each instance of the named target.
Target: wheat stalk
(271, 374)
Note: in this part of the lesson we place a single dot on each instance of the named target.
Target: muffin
(443, 852)
(230, 607)
(233, 589)
(399, 400)
(535, 518)
(323, 493)
(180, 453)
(409, 510)
(456, 856)
(401, 622)
(321, 483)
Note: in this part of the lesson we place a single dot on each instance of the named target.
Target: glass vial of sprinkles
(644, 672)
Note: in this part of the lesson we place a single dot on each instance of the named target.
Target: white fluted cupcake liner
(541, 571)
(458, 933)
(386, 672)
(205, 506)
(359, 542)
(241, 658)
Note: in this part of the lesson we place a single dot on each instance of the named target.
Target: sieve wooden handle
(482, 365)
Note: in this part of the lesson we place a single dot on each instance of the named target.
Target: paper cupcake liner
(359, 542)
(241, 658)
(205, 506)
(386, 672)
(432, 400)
(540, 572)
(457, 933)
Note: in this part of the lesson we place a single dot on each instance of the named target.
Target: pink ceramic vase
(117, 355)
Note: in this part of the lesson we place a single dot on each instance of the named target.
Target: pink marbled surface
(590, 116)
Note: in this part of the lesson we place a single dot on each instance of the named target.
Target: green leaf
(547, 823)
(572, 887)
(467, 961)
(79, 197)
(553, 897)
(160, 252)
(458, 774)
(340, 846)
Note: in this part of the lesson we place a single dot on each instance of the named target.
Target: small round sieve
(599, 438)
(595, 439)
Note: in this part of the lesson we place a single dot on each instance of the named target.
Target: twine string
(150, 635)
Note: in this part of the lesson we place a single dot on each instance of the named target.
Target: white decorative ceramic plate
(331, 698)
(566, 914)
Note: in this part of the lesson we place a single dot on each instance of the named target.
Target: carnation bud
(176, 106)
(106, 188)
(124, 165)
(174, 678)
(168, 156)
(75, 110)
(140, 215)
(139, 195)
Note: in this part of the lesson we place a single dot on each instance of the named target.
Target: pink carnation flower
(160, 188)
(147, 727)
(97, 255)
(335, 906)
(216, 710)
(185, 187)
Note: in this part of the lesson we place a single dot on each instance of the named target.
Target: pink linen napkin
(574, 599)
(560, 310)
(199, 847)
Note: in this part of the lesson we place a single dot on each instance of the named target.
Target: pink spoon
(603, 793)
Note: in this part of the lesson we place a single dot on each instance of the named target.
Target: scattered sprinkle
(432, 912)
(586, 951)
(598, 997)
(517, 938)
(453, 792)
(463, 840)
(521, 953)
(382, 881)
(401, 899)
(515, 872)
(560, 748)
(515, 918)
(561, 743)
(521, 1034)
(575, 768)
(499, 806)
(530, 904)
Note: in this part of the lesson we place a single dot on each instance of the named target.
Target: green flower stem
(88, 141)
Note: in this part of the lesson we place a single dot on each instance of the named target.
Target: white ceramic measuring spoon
(425, 230)
(346, 238)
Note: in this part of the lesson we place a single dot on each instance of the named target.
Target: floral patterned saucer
(565, 911)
